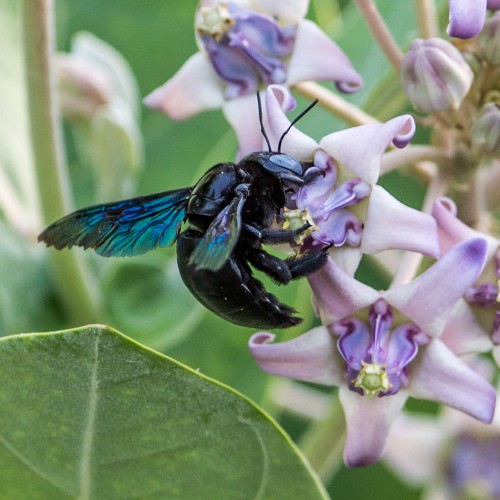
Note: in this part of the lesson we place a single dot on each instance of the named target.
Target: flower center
(246, 48)
(295, 219)
(330, 204)
(377, 356)
(372, 379)
(214, 21)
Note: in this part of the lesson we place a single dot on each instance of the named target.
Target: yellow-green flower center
(295, 219)
(214, 21)
(372, 378)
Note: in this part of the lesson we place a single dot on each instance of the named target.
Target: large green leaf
(89, 413)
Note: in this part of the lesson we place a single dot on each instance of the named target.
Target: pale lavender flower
(245, 45)
(450, 455)
(435, 75)
(345, 204)
(484, 294)
(380, 347)
(467, 17)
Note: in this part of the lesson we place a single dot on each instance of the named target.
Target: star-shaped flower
(380, 347)
(245, 45)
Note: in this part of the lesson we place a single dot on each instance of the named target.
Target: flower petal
(194, 88)
(291, 11)
(242, 115)
(316, 57)
(368, 422)
(360, 149)
(296, 143)
(337, 295)
(463, 333)
(391, 225)
(312, 357)
(440, 376)
(451, 230)
(428, 299)
(466, 17)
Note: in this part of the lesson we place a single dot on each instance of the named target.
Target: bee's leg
(276, 268)
(270, 236)
(307, 263)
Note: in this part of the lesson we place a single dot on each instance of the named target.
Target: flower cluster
(416, 338)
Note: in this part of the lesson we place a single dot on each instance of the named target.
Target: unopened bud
(435, 75)
(489, 39)
(83, 87)
(485, 131)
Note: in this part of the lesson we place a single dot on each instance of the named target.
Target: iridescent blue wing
(122, 228)
(220, 238)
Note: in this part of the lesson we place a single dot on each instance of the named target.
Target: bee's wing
(220, 238)
(122, 228)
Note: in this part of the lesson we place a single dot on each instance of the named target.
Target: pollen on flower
(295, 219)
(373, 379)
(214, 21)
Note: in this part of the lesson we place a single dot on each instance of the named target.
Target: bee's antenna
(295, 120)
(262, 129)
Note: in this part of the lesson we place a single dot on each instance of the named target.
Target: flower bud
(486, 130)
(435, 75)
(489, 39)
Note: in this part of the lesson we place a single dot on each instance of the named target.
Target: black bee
(231, 212)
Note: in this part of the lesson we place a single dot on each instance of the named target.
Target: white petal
(441, 376)
(391, 225)
(289, 12)
(337, 295)
(296, 143)
(316, 57)
(368, 422)
(452, 230)
(360, 149)
(429, 299)
(194, 88)
(312, 357)
(463, 333)
(243, 117)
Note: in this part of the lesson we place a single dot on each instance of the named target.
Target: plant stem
(427, 19)
(333, 103)
(381, 33)
(50, 166)
(413, 154)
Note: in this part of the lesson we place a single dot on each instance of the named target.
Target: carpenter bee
(230, 213)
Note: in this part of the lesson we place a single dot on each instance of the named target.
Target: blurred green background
(144, 297)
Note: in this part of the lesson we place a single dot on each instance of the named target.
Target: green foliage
(89, 413)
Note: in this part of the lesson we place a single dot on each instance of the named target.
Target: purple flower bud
(489, 39)
(435, 75)
(486, 129)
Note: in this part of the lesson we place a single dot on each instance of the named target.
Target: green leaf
(89, 413)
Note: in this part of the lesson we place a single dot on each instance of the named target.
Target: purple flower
(347, 208)
(245, 46)
(382, 347)
(450, 455)
(483, 295)
(466, 17)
